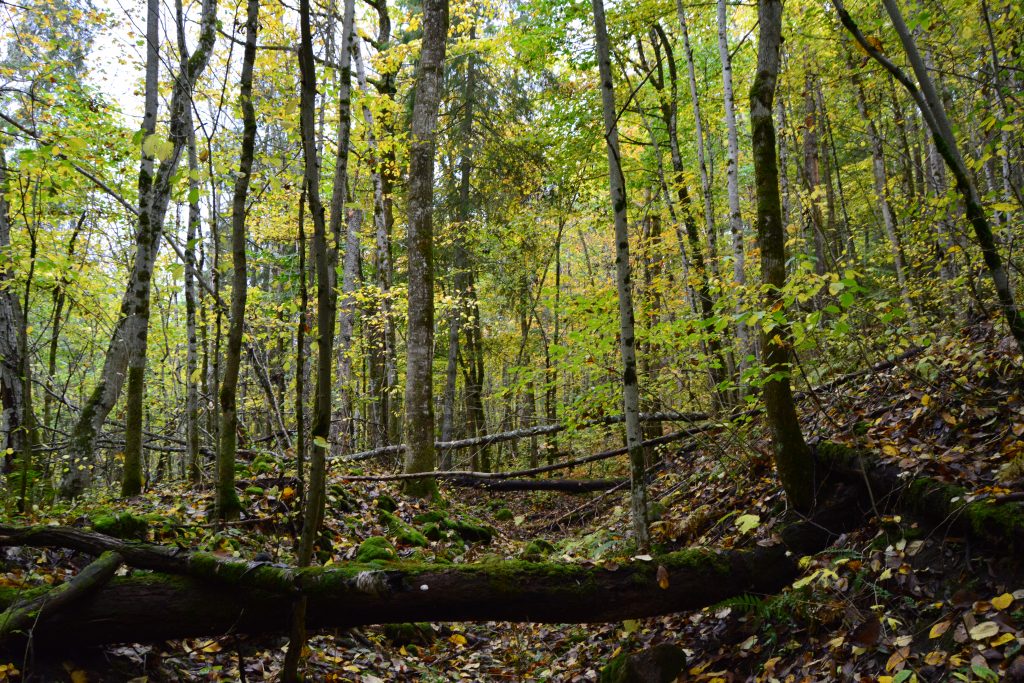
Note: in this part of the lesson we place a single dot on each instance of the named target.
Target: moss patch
(375, 548)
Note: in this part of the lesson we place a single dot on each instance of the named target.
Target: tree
(623, 286)
(226, 503)
(128, 338)
(419, 402)
(792, 456)
(933, 111)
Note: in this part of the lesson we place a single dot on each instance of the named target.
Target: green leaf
(320, 442)
(747, 523)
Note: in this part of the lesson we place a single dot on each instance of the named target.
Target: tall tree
(226, 502)
(419, 401)
(128, 337)
(623, 285)
(792, 456)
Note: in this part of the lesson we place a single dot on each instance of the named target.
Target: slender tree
(226, 501)
(623, 284)
(129, 332)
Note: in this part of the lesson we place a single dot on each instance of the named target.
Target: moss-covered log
(999, 526)
(26, 610)
(152, 607)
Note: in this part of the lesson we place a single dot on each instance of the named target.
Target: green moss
(386, 503)
(504, 515)
(254, 491)
(470, 532)
(430, 517)
(659, 664)
(121, 525)
(375, 548)
(617, 670)
(409, 536)
(536, 550)
(702, 559)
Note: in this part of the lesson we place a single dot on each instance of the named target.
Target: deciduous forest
(511, 340)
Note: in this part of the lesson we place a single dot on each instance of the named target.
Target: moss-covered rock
(659, 664)
(435, 523)
(386, 503)
(503, 515)
(536, 550)
(376, 548)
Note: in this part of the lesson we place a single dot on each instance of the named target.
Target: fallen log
(234, 596)
(533, 471)
(22, 614)
(560, 485)
(155, 607)
(527, 432)
(892, 487)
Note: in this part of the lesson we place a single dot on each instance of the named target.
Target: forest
(511, 340)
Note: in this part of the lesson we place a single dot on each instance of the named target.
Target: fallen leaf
(1003, 601)
(662, 577)
(938, 629)
(984, 630)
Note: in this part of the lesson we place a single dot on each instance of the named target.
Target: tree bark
(733, 183)
(351, 596)
(13, 435)
(792, 456)
(226, 503)
(419, 402)
(627, 339)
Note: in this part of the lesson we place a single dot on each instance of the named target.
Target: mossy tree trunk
(419, 401)
(792, 456)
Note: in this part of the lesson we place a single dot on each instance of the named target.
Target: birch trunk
(733, 183)
(627, 340)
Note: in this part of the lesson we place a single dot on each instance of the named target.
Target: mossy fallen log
(148, 607)
(26, 610)
(999, 526)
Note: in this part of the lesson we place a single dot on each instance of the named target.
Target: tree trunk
(191, 359)
(346, 597)
(226, 504)
(882, 195)
(792, 457)
(131, 480)
(419, 402)
(627, 339)
(133, 319)
(13, 434)
(732, 175)
(705, 182)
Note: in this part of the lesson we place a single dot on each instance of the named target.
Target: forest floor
(899, 599)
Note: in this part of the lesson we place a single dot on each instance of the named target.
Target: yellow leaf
(938, 629)
(288, 493)
(1003, 639)
(1003, 601)
(935, 658)
(458, 639)
(890, 450)
(78, 676)
(662, 577)
(984, 630)
(925, 400)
